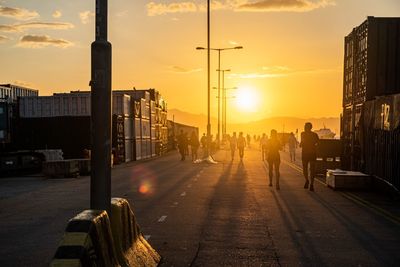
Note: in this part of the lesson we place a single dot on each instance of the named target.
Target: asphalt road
(221, 214)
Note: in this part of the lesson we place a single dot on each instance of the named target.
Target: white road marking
(195, 179)
(162, 218)
(183, 194)
(147, 237)
(189, 186)
(198, 175)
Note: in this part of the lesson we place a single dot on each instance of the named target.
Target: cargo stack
(122, 107)
(164, 126)
(145, 123)
(153, 124)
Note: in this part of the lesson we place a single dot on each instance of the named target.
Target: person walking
(241, 143)
(309, 142)
(203, 142)
(182, 144)
(263, 146)
(292, 147)
(194, 145)
(273, 157)
(248, 140)
(233, 144)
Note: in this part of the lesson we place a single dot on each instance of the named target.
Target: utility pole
(100, 182)
(208, 82)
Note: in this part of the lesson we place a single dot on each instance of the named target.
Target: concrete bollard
(131, 247)
(87, 241)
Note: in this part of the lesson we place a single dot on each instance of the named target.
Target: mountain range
(281, 124)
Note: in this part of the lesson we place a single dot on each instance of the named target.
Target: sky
(291, 63)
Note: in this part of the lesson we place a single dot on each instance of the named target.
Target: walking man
(241, 143)
(309, 142)
(263, 145)
(292, 147)
(182, 144)
(273, 157)
(233, 143)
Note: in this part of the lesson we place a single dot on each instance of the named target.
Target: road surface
(221, 214)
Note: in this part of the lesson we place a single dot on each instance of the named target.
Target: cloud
(281, 71)
(8, 28)
(154, 9)
(36, 25)
(4, 39)
(23, 83)
(17, 13)
(85, 16)
(57, 14)
(40, 41)
(177, 69)
(284, 5)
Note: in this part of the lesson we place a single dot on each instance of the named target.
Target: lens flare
(143, 180)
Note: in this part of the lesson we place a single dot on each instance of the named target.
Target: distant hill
(287, 124)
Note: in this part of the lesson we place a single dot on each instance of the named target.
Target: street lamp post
(223, 102)
(100, 182)
(219, 82)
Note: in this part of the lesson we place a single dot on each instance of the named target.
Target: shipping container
(128, 128)
(122, 105)
(152, 107)
(145, 125)
(153, 132)
(137, 108)
(153, 147)
(138, 128)
(138, 151)
(129, 143)
(118, 139)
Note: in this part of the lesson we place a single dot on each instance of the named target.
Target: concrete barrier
(61, 168)
(87, 241)
(131, 247)
(90, 239)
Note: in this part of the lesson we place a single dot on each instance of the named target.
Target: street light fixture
(219, 75)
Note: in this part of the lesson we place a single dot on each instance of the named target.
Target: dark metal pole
(219, 96)
(100, 182)
(224, 104)
(208, 79)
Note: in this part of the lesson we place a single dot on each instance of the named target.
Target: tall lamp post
(219, 83)
(100, 182)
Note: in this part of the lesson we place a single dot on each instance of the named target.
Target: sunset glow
(247, 99)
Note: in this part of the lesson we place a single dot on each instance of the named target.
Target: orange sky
(292, 57)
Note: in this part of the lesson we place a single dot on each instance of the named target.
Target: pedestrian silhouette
(309, 142)
(292, 147)
(203, 142)
(194, 145)
(248, 140)
(241, 144)
(273, 157)
(233, 144)
(182, 144)
(263, 146)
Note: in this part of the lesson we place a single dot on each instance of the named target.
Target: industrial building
(371, 88)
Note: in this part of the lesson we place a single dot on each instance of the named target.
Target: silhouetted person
(186, 144)
(263, 146)
(292, 142)
(273, 157)
(194, 145)
(241, 144)
(182, 144)
(233, 144)
(203, 142)
(309, 142)
(248, 140)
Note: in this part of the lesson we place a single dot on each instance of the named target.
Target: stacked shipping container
(132, 130)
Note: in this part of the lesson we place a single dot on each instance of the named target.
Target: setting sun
(247, 99)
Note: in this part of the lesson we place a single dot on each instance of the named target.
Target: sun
(247, 99)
